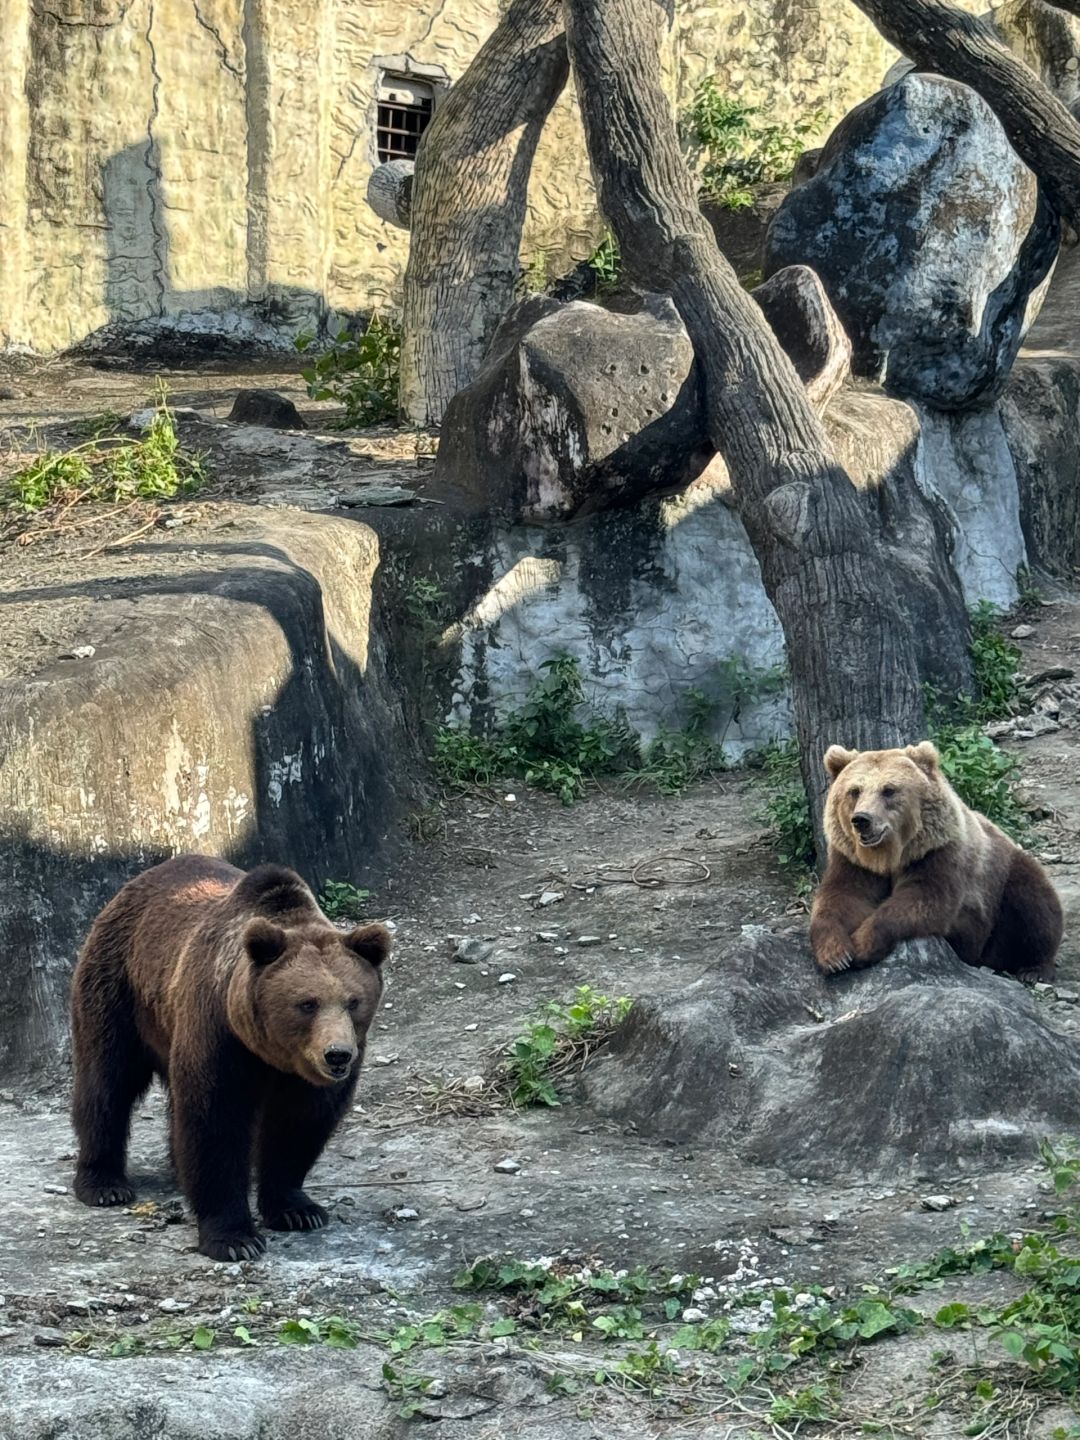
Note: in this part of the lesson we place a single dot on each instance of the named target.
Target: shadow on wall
(149, 318)
(323, 764)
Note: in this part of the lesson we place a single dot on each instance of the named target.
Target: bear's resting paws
(833, 954)
(295, 1211)
(231, 1244)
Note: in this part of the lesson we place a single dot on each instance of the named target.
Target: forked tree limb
(938, 36)
(467, 205)
(849, 645)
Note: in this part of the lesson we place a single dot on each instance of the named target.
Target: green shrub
(550, 747)
(981, 774)
(360, 372)
(341, 901)
(559, 1043)
(737, 152)
(996, 666)
(606, 264)
(787, 809)
(544, 742)
(111, 469)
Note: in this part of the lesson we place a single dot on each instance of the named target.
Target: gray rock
(473, 952)
(583, 404)
(740, 234)
(806, 166)
(919, 1064)
(809, 329)
(266, 408)
(382, 495)
(579, 408)
(931, 238)
(507, 1167)
(937, 1202)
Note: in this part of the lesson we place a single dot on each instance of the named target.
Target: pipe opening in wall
(405, 108)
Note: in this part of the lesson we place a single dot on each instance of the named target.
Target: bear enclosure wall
(204, 166)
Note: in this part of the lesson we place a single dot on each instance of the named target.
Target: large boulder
(569, 409)
(579, 406)
(931, 237)
(920, 1065)
(224, 690)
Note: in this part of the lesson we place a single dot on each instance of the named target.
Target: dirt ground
(93, 1305)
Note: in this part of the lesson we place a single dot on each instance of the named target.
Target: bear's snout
(339, 1059)
(870, 830)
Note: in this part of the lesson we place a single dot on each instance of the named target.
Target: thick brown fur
(252, 1008)
(907, 858)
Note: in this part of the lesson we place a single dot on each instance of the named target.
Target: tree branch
(850, 645)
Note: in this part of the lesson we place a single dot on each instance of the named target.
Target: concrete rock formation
(585, 407)
(234, 702)
(809, 329)
(920, 1065)
(931, 238)
(580, 407)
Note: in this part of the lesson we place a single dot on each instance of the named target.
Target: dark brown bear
(907, 858)
(238, 992)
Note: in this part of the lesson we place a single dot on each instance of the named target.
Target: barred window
(405, 110)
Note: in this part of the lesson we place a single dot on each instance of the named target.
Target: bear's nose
(338, 1058)
(862, 821)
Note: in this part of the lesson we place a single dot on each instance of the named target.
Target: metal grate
(404, 113)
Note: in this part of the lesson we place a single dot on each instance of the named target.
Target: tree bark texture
(468, 204)
(937, 36)
(389, 192)
(850, 647)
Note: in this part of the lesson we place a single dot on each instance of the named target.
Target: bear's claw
(232, 1247)
(301, 1214)
(103, 1192)
(832, 960)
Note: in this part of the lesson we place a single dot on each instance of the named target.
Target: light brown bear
(907, 858)
(252, 1008)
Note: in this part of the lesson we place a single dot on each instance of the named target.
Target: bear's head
(303, 996)
(887, 808)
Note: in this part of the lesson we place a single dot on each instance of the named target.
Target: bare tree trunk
(850, 648)
(468, 204)
(937, 36)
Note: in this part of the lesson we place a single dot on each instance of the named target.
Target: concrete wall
(206, 161)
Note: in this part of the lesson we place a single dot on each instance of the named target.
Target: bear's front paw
(94, 1188)
(868, 946)
(231, 1244)
(295, 1211)
(833, 953)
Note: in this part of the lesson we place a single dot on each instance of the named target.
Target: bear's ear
(837, 759)
(265, 942)
(925, 756)
(370, 942)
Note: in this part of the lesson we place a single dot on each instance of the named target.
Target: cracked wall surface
(204, 163)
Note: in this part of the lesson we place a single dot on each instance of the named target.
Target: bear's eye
(854, 792)
(887, 792)
(308, 1007)
(352, 1005)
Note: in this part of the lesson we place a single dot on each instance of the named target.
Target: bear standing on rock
(908, 859)
(253, 1009)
